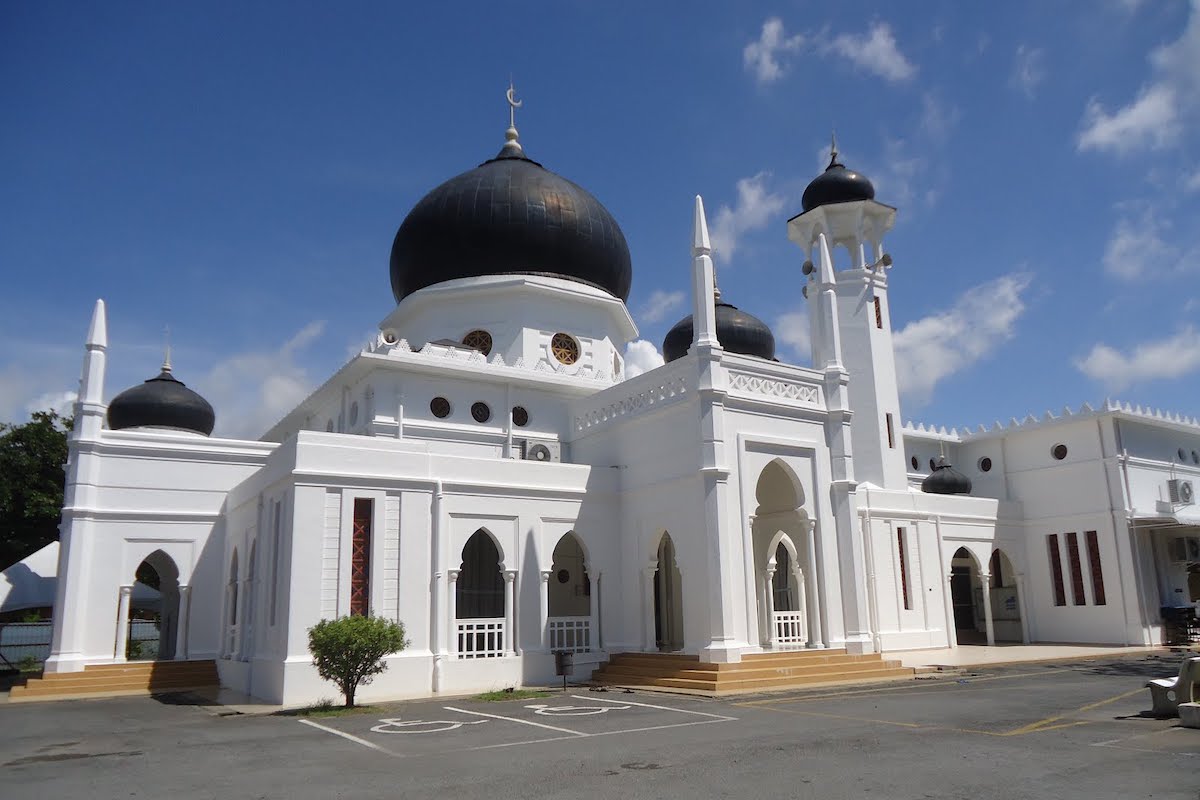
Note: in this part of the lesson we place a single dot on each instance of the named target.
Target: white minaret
(850, 317)
(704, 283)
(89, 407)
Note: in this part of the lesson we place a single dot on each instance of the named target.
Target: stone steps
(147, 677)
(755, 672)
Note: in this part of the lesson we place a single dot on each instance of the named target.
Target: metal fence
(27, 644)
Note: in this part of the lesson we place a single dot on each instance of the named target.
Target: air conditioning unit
(537, 451)
(1181, 492)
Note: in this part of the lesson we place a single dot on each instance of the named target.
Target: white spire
(700, 243)
(704, 282)
(166, 367)
(98, 330)
(511, 135)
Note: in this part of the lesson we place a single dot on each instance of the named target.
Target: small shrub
(349, 651)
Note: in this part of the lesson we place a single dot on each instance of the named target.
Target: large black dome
(836, 185)
(508, 216)
(161, 402)
(737, 331)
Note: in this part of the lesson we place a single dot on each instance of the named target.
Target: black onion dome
(737, 331)
(161, 402)
(836, 185)
(945, 479)
(508, 216)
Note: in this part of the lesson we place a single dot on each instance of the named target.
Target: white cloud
(935, 347)
(753, 209)
(1156, 117)
(659, 305)
(1029, 69)
(61, 403)
(252, 391)
(875, 51)
(641, 356)
(1136, 249)
(1171, 357)
(762, 57)
(792, 329)
(937, 119)
(1192, 182)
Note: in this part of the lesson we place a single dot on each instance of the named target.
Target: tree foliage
(32, 458)
(349, 650)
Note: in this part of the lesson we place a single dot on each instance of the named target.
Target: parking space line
(842, 716)
(1048, 722)
(515, 719)
(660, 708)
(345, 735)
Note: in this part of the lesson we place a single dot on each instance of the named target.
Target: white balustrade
(789, 628)
(569, 634)
(481, 638)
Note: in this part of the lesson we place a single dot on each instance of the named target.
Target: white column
(451, 621)
(951, 631)
(544, 609)
(1021, 609)
(985, 578)
(769, 578)
(593, 579)
(181, 623)
(649, 644)
(800, 598)
(811, 593)
(510, 637)
(123, 597)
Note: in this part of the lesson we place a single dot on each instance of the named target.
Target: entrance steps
(755, 672)
(131, 678)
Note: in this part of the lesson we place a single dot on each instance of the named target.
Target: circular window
(439, 407)
(520, 416)
(480, 412)
(985, 464)
(565, 349)
(1182, 454)
(354, 413)
(932, 465)
(915, 464)
(479, 340)
(1059, 451)
(563, 576)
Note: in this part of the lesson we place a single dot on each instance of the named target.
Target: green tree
(349, 650)
(32, 457)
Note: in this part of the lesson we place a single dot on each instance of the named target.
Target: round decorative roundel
(1059, 452)
(985, 464)
(439, 407)
(932, 465)
(520, 416)
(480, 412)
(563, 576)
(915, 464)
(479, 340)
(565, 348)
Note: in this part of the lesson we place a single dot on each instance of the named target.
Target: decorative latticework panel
(360, 558)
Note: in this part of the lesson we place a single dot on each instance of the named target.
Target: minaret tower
(849, 313)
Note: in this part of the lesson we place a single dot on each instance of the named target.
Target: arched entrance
(668, 598)
(152, 618)
(479, 599)
(966, 597)
(1006, 600)
(785, 558)
(569, 598)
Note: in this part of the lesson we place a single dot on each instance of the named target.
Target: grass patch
(511, 694)
(326, 708)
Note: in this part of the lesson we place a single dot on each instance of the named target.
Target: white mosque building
(487, 474)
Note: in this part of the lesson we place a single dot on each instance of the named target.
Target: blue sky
(237, 171)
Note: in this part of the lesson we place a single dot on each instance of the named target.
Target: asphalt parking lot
(1071, 730)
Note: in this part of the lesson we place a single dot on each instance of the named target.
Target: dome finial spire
(833, 148)
(511, 135)
(166, 367)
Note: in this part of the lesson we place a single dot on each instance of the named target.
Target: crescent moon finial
(513, 104)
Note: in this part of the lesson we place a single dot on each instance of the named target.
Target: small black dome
(509, 216)
(945, 479)
(161, 402)
(737, 331)
(836, 185)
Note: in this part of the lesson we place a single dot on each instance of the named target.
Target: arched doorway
(785, 558)
(152, 624)
(966, 597)
(569, 598)
(479, 600)
(668, 598)
(1006, 600)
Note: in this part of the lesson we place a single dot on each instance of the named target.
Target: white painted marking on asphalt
(515, 719)
(573, 711)
(345, 735)
(395, 725)
(660, 708)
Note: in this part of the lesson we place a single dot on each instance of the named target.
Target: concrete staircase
(132, 678)
(757, 672)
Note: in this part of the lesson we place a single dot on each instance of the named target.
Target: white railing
(570, 634)
(481, 638)
(789, 627)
